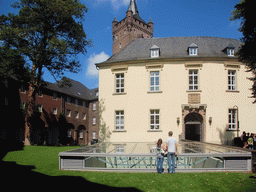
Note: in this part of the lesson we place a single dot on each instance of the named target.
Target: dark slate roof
(133, 8)
(137, 16)
(77, 90)
(175, 47)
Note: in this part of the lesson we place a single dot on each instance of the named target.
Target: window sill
(152, 92)
(119, 94)
(232, 130)
(119, 131)
(194, 91)
(154, 131)
(229, 91)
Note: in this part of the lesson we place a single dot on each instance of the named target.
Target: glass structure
(141, 156)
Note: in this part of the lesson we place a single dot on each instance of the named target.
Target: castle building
(193, 86)
(131, 27)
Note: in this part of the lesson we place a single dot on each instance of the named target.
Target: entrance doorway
(194, 127)
(81, 136)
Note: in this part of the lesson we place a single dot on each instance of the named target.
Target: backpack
(250, 141)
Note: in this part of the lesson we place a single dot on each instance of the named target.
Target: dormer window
(192, 49)
(230, 50)
(155, 51)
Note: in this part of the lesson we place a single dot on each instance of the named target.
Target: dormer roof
(154, 47)
(230, 46)
(193, 45)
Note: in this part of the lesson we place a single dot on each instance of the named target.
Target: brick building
(67, 115)
(131, 27)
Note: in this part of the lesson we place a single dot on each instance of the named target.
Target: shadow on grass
(23, 177)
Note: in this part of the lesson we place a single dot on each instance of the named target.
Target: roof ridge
(187, 37)
(119, 52)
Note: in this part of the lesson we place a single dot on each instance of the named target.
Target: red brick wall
(50, 121)
(124, 30)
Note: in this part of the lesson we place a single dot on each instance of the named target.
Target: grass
(42, 162)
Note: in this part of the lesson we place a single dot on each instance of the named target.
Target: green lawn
(39, 166)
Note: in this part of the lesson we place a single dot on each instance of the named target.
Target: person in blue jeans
(171, 145)
(160, 155)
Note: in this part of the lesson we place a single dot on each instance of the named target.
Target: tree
(12, 64)
(49, 33)
(247, 54)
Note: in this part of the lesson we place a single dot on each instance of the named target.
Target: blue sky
(170, 18)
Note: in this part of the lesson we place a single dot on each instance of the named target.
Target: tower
(131, 27)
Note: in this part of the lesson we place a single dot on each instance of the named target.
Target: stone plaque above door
(194, 98)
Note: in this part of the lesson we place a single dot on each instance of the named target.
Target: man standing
(171, 144)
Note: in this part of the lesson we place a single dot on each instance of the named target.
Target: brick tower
(131, 27)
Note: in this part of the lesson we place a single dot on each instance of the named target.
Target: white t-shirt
(171, 144)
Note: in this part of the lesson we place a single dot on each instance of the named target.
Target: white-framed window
(154, 119)
(6, 101)
(119, 149)
(68, 113)
(232, 119)
(154, 53)
(231, 80)
(40, 108)
(154, 81)
(119, 120)
(55, 96)
(84, 116)
(193, 79)
(40, 93)
(94, 120)
(22, 89)
(94, 106)
(231, 52)
(193, 51)
(93, 135)
(54, 110)
(22, 105)
(76, 101)
(120, 83)
(81, 134)
(76, 114)
(69, 133)
(69, 100)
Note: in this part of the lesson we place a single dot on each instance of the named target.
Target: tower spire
(133, 7)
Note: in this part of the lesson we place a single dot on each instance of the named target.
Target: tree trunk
(31, 105)
(29, 114)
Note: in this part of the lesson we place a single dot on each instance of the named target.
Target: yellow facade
(210, 104)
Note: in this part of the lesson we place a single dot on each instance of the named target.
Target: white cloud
(95, 58)
(115, 3)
